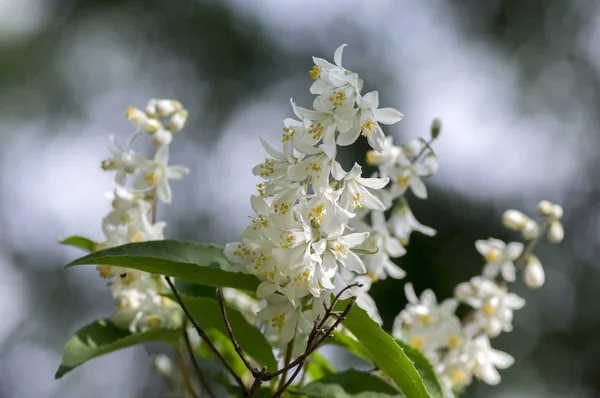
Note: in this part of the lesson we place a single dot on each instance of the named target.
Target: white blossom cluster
(317, 227)
(140, 182)
(462, 350)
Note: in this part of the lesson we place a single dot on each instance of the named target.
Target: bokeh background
(516, 83)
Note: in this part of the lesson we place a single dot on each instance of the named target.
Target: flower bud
(534, 273)
(436, 128)
(556, 233)
(514, 219)
(557, 212)
(165, 108)
(531, 230)
(161, 138)
(463, 291)
(545, 208)
(178, 120)
(151, 108)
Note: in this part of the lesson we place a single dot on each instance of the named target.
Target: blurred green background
(516, 83)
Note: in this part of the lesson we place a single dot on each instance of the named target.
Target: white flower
(123, 161)
(408, 174)
(327, 75)
(144, 123)
(283, 319)
(386, 158)
(494, 306)
(354, 188)
(499, 257)
(384, 246)
(427, 325)
(366, 120)
(403, 222)
(487, 360)
(159, 173)
(315, 169)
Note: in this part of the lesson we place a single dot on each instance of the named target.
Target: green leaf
(208, 314)
(350, 383)
(425, 369)
(351, 345)
(79, 242)
(102, 337)
(318, 366)
(386, 353)
(199, 263)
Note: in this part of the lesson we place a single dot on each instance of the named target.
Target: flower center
(489, 309)
(153, 321)
(417, 342)
(426, 320)
(368, 127)
(453, 341)
(458, 377)
(492, 255)
(315, 72)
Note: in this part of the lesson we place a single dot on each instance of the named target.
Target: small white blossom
(499, 257)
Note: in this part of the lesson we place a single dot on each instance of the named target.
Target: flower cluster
(319, 228)
(132, 218)
(459, 349)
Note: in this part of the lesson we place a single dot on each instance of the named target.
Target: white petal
(163, 190)
(489, 374)
(177, 172)
(355, 239)
(394, 271)
(337, 171)
(418, 187)
(490, 270)
(508, 271)
(483, 246)
(377, 140)
(265, 289)
(394, 248)
(411, 296)
(349, 137)
(514, 250)
(501, 359)
(337, 56)
(271, 151)
(374, 183)
(354, 263)
(258, 205)
(387, 115)
(368, 101)
(162, 155)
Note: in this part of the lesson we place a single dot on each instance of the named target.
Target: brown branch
(204, 337)
(199, 373)
(286, 361)
(235, 343)
(309, 350)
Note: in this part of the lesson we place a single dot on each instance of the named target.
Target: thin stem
(236, 345)
(204, 337)
(286, 361)
(184, 372)
(199, 373)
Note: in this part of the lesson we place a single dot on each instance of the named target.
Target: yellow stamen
(458, 377)
(453, 341)
(315, 72)
(426, 320)
(489, 309)
(104, 271)
(153, 321)
(492, 255)
(417, 342)
(152, 178)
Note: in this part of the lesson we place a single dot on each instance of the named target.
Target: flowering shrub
(300, 275)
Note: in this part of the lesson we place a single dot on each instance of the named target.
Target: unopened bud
(557, 212)
(436, 128)
(545, 208)
(178, 120)
(514, 219)
(534, 273)
(531, 230)
(463, 291)
(556, 233)
(161, 138)
(165, 108)
(151, 108)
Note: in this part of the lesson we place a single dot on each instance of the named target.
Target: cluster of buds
(319, 228)
(462, 350)
(140, 183)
